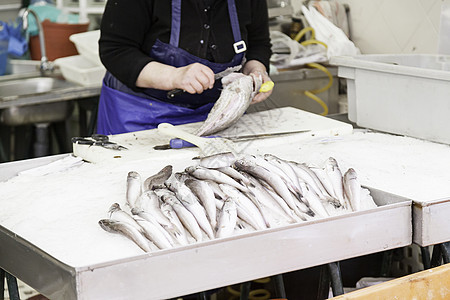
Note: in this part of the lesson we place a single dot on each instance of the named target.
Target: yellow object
(259, 294)
(266, 86)
(312, 94)
(310, 42)
(302, 32)
(432, 284)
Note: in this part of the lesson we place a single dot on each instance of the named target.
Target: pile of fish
(223, 195)
(236, 96)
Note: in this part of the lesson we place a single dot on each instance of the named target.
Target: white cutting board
(287, 119)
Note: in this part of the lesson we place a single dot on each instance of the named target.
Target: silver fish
(286, 168)
(155, 233)
(274, 181)
(233, 173)
(218, 193)
(227, 219)
(149, 202)
(268, 206)
(205, 194)
(185, 216)
(246, 209)
(260, 161)
(335, 177)
(117, 214)
(157, 181)
(225, 159)
(191, 202)
(170, 213)
(314, 201)
(168, 232)
(217, 176)
(352, 189)
(238, 91)
(126, 230)
(134, 188)
(305, 174)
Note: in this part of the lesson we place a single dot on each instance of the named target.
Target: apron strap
(234, 21)
(176, 23)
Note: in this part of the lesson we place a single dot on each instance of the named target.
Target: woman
(150, 47)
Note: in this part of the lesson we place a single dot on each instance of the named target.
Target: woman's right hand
(193, 78)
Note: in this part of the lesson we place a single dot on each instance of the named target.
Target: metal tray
(431, 222)
(211, 264)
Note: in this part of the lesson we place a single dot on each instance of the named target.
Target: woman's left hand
(257, 68)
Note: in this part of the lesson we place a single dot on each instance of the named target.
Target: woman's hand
(193, 78)
(257, 68)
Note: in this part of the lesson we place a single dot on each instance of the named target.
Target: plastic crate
(87, 45)
(80, 70)
(402, 94)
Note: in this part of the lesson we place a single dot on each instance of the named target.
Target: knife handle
(175, 92)
(179, 143)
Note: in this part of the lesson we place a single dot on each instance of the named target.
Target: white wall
(394, 26)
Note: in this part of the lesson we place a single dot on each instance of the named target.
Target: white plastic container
(87, 45)
(80, 70)
(403, 94)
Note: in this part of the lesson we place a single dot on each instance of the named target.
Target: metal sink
(13, 89)
(37, 113)
(18, 68)
(25, 81)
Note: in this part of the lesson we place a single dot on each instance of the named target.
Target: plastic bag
(4, 40)
(337, 41)
(289, 53)
(18, 45)
(334, 12)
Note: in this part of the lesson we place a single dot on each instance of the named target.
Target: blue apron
(124, 110)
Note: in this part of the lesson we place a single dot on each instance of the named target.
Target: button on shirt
(129, 29)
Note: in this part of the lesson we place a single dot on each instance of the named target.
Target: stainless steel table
(189, 269)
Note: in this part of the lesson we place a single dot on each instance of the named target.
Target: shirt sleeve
(259, 45)
(123, 27)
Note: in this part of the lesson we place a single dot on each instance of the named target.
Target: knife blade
(175, 92)
(179, 143)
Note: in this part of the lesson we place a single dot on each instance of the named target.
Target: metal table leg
(386, 263)
(245, 290)
(446, 252)
(202, 296)
(436, 257)
(425, 258)
(279, 286)
(13, 288)
(336, 279)
(2, 284)
(324, 283)
(330, 274)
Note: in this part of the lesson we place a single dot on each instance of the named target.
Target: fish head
(114, 207)
(133, 175)
(350, 175)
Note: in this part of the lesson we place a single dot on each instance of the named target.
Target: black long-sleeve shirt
(129, 28)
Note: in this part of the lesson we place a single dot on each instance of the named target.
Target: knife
(179, 143)
(175, 92)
